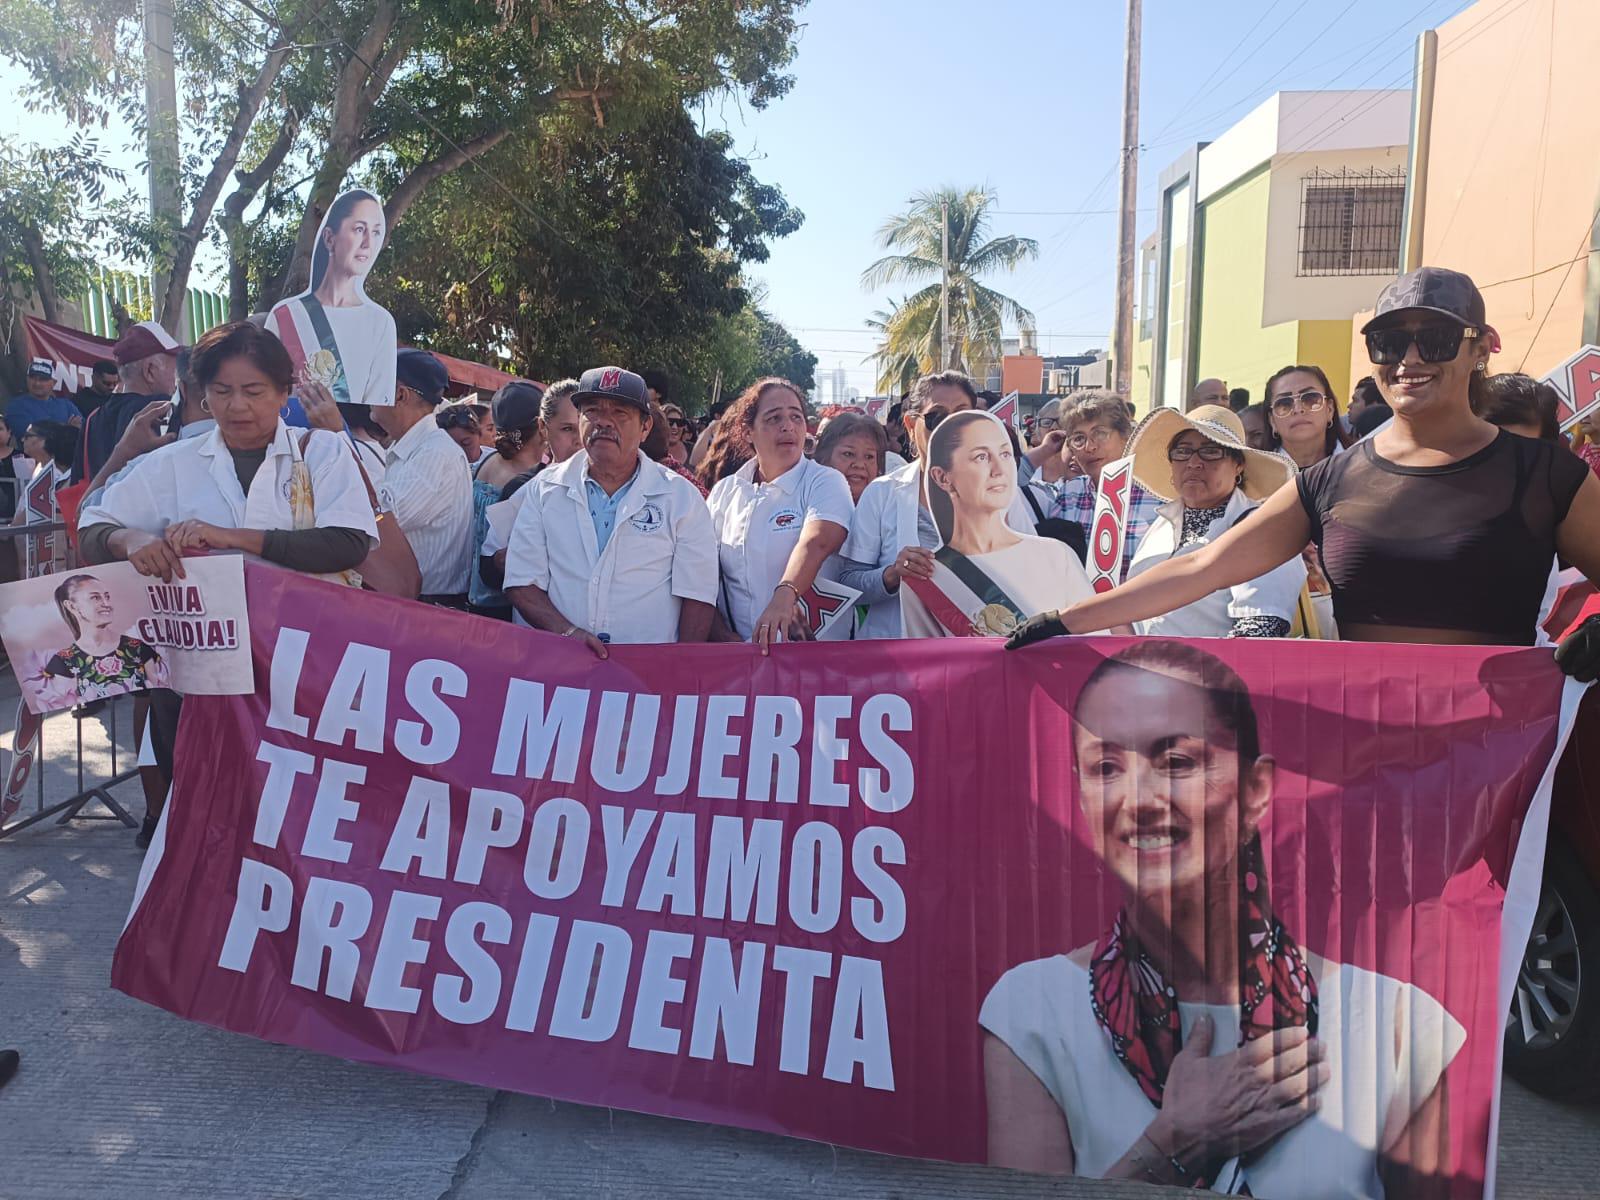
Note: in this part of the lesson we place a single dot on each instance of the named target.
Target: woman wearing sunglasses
(1439, 528)
(1209, 480)
(1303, 415)
(680, 435)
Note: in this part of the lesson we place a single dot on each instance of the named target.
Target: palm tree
(911, 332)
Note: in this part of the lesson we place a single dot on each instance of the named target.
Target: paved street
(116, 1099)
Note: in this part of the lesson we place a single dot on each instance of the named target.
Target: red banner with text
(1252, 903)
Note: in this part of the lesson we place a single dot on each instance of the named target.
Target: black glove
(1578, 655)
(1036, 629)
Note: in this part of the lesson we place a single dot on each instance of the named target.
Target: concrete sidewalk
(116, 1099)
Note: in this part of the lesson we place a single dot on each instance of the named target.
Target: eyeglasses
(1435, 343)
(458, 418)
(932, 416)
(1099, 435)
(1047, 423)
(1307, 401)
(677, 422)
(1210, 452)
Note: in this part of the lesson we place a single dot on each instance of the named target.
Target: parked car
(1552, 1041)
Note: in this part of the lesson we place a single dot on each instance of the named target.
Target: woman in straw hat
(1200, 465)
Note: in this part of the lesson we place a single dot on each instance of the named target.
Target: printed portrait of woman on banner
(1195, 1042)
(102, 661)
(336, 336)
(987, 577)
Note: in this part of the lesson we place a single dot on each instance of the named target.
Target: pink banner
(929, 898)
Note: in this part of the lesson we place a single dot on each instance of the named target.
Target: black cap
(612, 383)
(1432, 289)
(42, 368)
(422, 373)
(516, 404)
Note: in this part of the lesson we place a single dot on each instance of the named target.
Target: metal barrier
(41, 546)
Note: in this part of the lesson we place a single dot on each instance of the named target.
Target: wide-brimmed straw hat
(1264, 471)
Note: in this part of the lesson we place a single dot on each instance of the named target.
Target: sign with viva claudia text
(928, 898)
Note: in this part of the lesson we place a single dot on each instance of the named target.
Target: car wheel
(1552, 1042)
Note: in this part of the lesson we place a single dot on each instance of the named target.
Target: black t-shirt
(104, 428)
(1465, 547)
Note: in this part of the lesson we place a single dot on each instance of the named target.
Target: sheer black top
(1464, 547)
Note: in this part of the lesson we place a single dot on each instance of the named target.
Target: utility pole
(1122, 336)
(944, 285)
(161, 141)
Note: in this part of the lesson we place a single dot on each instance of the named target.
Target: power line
(1059, 212)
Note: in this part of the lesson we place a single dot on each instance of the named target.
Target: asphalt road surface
(116, 1099)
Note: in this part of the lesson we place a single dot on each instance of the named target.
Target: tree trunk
(250, 101)
(361, 82)
(44, 281)
(232, 219)
(420, 177)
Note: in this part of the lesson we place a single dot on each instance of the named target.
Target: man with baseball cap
(611, 547)
(147, 364)
(427, 484)
(39, 403)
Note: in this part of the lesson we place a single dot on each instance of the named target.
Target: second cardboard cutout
(987, 578)
(335, 334)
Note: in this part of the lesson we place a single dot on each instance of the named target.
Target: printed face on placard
(341, 342)
(86, 635)
(1162, 782)
(971, 478)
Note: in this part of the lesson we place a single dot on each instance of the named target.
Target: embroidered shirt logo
(784, 518)
(649, 518)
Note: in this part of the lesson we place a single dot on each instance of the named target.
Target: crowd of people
(1442, 504)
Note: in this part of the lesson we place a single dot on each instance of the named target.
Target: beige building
(1506, 181)
(1269, 240)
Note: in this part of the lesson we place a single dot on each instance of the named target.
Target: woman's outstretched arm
(1270, 536)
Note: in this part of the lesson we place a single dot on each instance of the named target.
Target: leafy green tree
(911, 332)
(50, 212)
(296, 97)
(624, 244)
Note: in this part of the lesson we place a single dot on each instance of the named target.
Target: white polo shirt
(427, 485)
(194, 479)
(662, 551)
(885, 521)
(759, 524)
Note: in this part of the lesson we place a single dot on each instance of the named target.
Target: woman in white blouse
(1210, 479)
(1195, 1042)
(778, 517)
(987, 578)
(293, 497)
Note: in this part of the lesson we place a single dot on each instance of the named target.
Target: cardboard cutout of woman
(987, 577)
(334, 333)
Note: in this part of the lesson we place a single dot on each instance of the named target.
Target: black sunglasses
(458, 419)
(932, 416)
(1435, 343)
(678, 421)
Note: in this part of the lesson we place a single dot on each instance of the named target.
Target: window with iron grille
(1350, 222)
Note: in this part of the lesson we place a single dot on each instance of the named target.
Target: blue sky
(895, 96)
